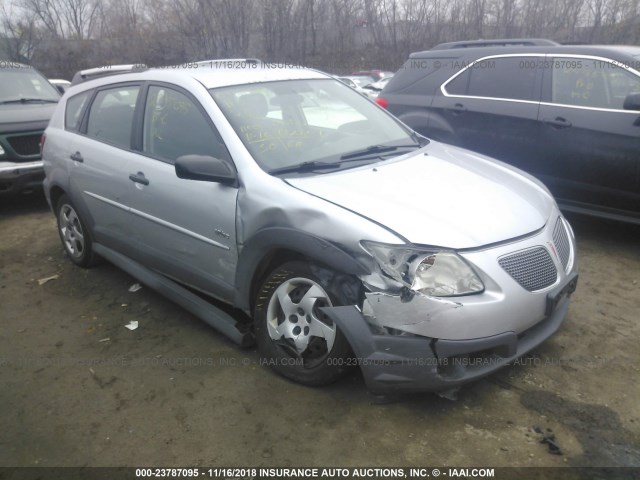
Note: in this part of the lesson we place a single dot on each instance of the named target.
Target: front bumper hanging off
(401, 363)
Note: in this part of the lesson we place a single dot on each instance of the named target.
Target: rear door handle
(139, 178)
(558, 122)
(458, 108)
(76, 157)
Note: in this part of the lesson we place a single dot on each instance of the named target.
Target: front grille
(25, 145)
(532, 268)
(561, 241)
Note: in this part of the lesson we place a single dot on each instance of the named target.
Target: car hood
(22, 117)
(441, 196)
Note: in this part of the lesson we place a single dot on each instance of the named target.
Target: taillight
(382, 102)
(42, 140)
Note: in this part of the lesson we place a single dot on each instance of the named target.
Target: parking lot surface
(79, 389)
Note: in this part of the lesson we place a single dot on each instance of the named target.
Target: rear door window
(513, 78)
(111, 115)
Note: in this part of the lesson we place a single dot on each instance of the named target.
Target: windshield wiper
(304, 167)
(29, 100)
(375, 150)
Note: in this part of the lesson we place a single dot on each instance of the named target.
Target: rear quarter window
(422, 75)
(73, 113)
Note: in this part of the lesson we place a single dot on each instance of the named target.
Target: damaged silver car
(347, 238)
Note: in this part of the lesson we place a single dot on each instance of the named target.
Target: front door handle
(139, 178)
(76, 157)
(557, 122)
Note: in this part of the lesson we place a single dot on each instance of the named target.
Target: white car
(358, 83)
(61, 84)
(374, 89)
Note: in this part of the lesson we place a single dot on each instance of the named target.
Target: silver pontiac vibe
(346, 237)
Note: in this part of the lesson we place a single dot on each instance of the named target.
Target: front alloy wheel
(294, 336)
(295, 322)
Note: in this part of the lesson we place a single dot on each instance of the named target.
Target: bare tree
(336, 35)
(22, 36)
(64, 18)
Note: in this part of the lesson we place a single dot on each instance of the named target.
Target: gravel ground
(79, 389)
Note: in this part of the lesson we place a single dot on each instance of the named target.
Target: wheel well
(274, 259)
(55, 194)
(269, 263)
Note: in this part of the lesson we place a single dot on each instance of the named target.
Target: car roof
(495, 42)
(214, 75)
(615, 51)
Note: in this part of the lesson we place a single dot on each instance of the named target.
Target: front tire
(74, 234)
(295, 338)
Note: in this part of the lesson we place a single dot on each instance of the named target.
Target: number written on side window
(592, 83)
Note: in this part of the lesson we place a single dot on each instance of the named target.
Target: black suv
(570, 115)
(27, 101)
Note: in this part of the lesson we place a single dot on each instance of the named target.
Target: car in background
(348, 238)
(376, 75)
(60, 84)
(27, 101)
(568, 114)
(358, 83)
(374, 89)
(348, 81)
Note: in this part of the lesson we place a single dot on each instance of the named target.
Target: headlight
(434, 273)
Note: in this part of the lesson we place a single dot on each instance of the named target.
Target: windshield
(291, 122)
(25, 84)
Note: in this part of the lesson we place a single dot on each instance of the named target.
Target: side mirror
(60, 89)
(632, 102)
(206, 168)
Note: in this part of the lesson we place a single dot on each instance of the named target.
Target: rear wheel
(74, 234)
(294, 336)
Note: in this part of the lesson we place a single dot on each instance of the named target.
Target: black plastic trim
(277, 238)
(218, 319)
(392, 364)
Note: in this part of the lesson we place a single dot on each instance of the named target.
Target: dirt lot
(79, 389)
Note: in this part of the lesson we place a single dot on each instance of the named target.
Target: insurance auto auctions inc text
(369, 473)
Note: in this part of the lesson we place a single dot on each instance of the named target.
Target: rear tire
(74, 234)
(295, 338)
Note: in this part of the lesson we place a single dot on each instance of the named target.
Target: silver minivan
(350, 240)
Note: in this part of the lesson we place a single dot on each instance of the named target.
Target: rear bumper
(17, 177)
(400, 364)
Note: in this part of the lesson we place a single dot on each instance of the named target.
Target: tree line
(62, 36)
